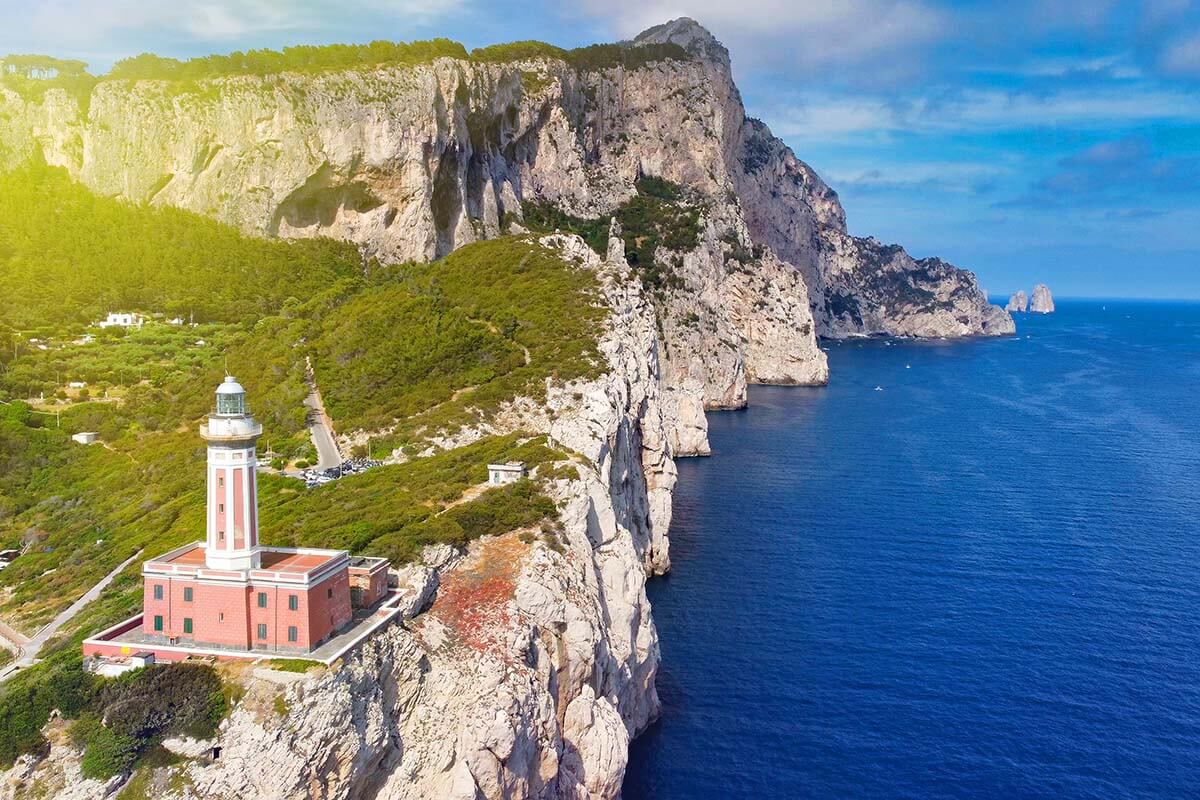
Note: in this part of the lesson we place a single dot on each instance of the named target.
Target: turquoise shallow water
(981, 581)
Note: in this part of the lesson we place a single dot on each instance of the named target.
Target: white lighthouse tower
(231, 433)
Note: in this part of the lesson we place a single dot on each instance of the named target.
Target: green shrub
(163, 699)
(28, 698)
(659, 215)
(107, 753)
(517, 51)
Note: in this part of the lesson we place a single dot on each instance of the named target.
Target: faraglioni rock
(1042, 302)
(1018, 302)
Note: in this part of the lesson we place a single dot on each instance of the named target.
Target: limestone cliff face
(531, 670)
(1042, 302)
(1018, 302)
(412, 162)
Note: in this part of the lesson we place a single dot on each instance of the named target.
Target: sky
(1054, 141)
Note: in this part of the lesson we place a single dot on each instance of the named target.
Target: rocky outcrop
(411, 162)
(1041, 302)
(1018, 302)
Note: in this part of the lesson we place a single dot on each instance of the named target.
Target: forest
(68, 256)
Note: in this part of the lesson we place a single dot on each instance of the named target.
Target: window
(221, 481)
(293, 634)
(220, 536)
(221, 507)
(262, 631)
(262, 599)
(221, 617)
(293, 602)
(158, 591)
(329, 592)
(187, 594)
(187, 624)
(157, 623)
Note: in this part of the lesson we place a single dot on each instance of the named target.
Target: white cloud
(1182, 57)
(1114, 66)
(824, 117)
(957, 177)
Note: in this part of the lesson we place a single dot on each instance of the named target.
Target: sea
(962, 570)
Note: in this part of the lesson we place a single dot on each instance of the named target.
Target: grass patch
(300, 665)
(141, 785)
(395, 511)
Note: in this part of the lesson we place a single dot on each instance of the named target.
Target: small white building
(85, 437)
(122, 319)
(509, 472)
(77, 385)
(143, 658)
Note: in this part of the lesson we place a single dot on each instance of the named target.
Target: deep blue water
(982, 581)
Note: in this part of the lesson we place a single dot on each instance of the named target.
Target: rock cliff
(531, 670)
(1018, 302)
(411, 162)
(1041, 302)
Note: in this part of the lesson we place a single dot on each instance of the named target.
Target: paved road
(321, 432)
(30, 650)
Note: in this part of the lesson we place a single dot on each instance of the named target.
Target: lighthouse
(232, 435)
(229, 596)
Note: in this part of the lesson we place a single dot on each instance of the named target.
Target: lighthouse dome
(231, 397)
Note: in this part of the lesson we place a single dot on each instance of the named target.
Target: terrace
(125, 639)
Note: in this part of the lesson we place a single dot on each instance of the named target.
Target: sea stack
(1018, 302)
(1042, 302)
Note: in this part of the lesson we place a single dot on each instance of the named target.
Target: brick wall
(229, 616)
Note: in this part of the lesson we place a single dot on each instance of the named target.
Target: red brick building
(231, 593)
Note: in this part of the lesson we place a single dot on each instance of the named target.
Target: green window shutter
(293, 634)
(157, 623)
(293, 602)
(187, 594)
(158, 592)
(262, 631)
(262, 599)
(187, 624)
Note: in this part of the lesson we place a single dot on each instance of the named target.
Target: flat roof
(193, 556)
(298, 563)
